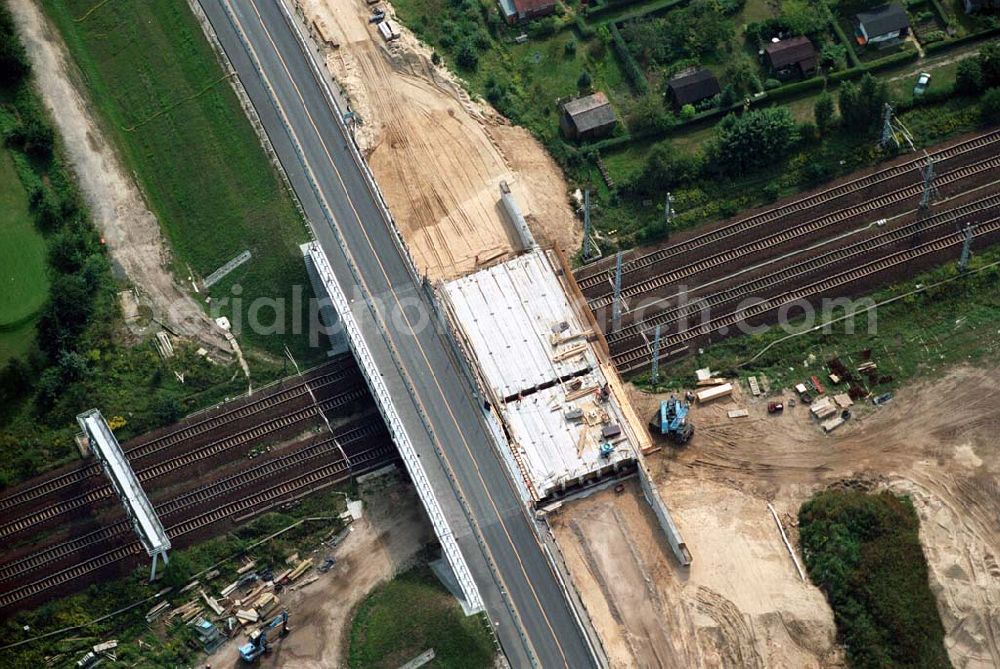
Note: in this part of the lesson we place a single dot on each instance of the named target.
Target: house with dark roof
(882, 25)
(515, 11)
(973, 6)
(588, 117)
(692, 86)
(793, 58)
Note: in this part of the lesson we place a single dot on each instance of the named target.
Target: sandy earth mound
(438, 156)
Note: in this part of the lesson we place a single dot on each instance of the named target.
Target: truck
(258, 644)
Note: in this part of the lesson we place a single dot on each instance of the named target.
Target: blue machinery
(257, 645)
(673, 420)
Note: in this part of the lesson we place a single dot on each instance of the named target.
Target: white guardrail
(363, 354)
(396, 428)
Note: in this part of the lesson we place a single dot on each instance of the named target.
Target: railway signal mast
(103, 444)
(616, 305)
(668, 213)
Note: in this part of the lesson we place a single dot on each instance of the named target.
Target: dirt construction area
(384, 542)
(741, 602)
(438, 156)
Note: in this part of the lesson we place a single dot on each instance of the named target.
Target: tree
(803, 17)
(757, 138)
(584, 82)
(989, 106)
(861, 104)
(13, 58)
(823, 112)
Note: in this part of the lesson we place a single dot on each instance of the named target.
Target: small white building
(881, 25)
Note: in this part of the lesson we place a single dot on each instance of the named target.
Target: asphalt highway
(534, 622)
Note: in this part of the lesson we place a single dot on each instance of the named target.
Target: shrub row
(851, 54)
(632, 70)
(938, 47)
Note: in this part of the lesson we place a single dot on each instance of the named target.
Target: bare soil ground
(129, 229)
(741, 603)
(438, 156)
(383, 543)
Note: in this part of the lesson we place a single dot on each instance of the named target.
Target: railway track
(152, 472)
(796, 232)
(308, 482)
(638, 357)
(672, 315)
(824, 197)
(345, 437)
(341, 374)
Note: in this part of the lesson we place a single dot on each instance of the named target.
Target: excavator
(671, 421)
(258, 644)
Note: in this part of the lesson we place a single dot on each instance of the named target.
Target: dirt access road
(384, 542)
(129, 229)
(437, 156)
(742, 603)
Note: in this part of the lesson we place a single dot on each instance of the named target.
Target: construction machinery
(258, 644)
(671, 421)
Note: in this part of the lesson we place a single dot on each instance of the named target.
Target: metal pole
(668, 213)
(930, 189)
(963, 262)
(586, 225)
(616, 308)
(887, 135)
(655, 376)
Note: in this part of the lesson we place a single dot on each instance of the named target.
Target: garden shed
(793, 58)
(693, 86)
(588, 117)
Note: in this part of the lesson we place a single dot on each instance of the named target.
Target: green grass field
(24, 280)
(167, 103)
(411, 614)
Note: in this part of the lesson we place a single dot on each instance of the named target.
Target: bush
(989, 63)
(771, 84)
(584, 82)
(728, 97)
(989, 106)
(969, 77)
(864, 552)
(759, 137)
(688, 112)
(665, 168)
(570, 48)
(467, 56)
